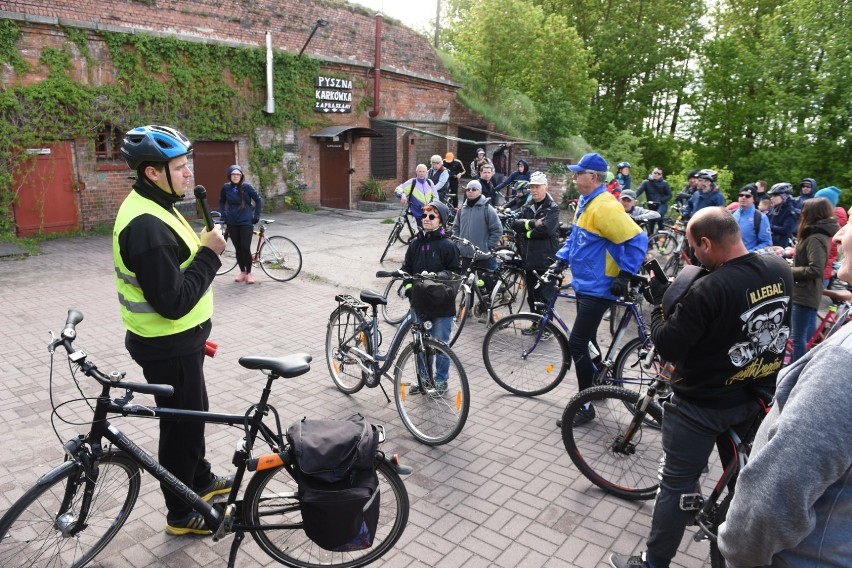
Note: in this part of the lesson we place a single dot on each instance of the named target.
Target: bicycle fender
(394, 463)
(58, 472)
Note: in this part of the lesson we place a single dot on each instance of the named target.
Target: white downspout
(270, 96)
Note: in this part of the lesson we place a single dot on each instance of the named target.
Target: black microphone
(201, 196)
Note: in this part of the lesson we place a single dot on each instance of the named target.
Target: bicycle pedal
(227, 523)
(691, 501)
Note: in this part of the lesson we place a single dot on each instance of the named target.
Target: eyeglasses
(473, 189)
(657, 173)
(583, 172)
(431, 216)
(436, 162)
(746, 195)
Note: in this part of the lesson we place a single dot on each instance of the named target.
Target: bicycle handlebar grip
(201, 196)
(387, 273)
(211, 349)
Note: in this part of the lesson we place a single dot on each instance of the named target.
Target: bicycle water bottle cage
(351, 301)
(691, 501)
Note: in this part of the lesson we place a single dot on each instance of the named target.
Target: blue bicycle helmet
(623, 165)
(153, 144)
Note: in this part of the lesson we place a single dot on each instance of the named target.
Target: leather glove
(444, 275)
(620, 284)
(654, 291)
(557, 267)
(519, 226)
(255, 220)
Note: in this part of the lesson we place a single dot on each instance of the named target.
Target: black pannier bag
(338, 486)
(433, 299)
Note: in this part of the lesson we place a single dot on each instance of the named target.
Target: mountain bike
(403, 230)
(75, 510)
(527, 353)
(432, 409)
(278, 256)
(620, 453)
(671, 248)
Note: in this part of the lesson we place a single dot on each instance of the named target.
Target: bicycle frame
(630, 313)
(379, 363)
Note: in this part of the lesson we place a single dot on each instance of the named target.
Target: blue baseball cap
(593, 162)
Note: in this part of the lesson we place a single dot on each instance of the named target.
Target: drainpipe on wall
(377, 70)
(270, 95)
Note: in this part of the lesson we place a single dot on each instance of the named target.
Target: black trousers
(241, 237)
(182, 446)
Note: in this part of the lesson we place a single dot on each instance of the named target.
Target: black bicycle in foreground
(75, 510)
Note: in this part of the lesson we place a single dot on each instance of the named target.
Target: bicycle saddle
(373, 298)
(288, 366)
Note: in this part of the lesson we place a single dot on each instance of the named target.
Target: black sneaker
(219, 485)
(625, 561)
(584, 416)
(441, 388)
(531, 330)
(193, 523)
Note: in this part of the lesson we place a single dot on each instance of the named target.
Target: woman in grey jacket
(793, 501)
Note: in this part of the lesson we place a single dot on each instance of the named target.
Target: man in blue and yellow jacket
(164, 273)
(603, 250)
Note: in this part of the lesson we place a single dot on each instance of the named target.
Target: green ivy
(210, 92)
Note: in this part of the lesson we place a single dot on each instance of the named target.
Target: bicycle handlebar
(113, 380)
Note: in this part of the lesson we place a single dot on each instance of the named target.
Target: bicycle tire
(397, 306)
(280, 258)
(228, 257)
(628, 370)
(30, 529)
(509, 295)
(716, 558)
(271, 499)
(463, 307)
(507, 357)
(663, 243)
(397, 227)
(630, 474)
(411, 232)
(347, 374)
(673, 266)
(432, 417)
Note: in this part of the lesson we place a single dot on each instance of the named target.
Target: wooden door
(334, 174)
(210, 164)
(46, 200)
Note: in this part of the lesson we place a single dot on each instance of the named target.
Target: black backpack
(335, 468)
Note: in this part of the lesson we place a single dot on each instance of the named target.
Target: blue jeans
(804, 324)
(441, 329)
(590, 312)
(689, 434)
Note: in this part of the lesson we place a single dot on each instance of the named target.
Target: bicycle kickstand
(384, 392)
(235, 546)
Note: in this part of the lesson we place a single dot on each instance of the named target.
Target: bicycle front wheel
(662, 244)
(407, 231)
(229, 258)
(509, 295)
(615, 452)
(391, 238)
(280, 258)
(346, 331)
(36, 531)
(272, 504)
(436, 412)
(398, 305)
(721, 513)
(522, 360)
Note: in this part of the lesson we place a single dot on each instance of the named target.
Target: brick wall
(415, 88)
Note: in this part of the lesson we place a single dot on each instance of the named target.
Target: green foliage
(208, 91)
(373, 189)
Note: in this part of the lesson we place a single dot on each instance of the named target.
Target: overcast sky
(414, 13)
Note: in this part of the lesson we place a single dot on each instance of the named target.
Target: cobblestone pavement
(504, 493)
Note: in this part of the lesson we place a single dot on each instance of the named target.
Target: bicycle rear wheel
(673, 265)
(509, 295)
(407, 231)
(594, 447)
(525, 364)
(662, 244)
(229, 258)
(463, 303)
(280, 258)
(32, 529)
(342, 335)
(271, 501)
(398, 305)
(721, 513)
(436, 414)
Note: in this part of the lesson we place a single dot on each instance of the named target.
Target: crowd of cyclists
(728, 324)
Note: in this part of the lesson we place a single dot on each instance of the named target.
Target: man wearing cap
(537, 230)
(456, 169)
(605, 248)
(807, 190)
(708, 194)
(477, 163)
(754, 225)
(638, 214)
(433, 251)
(691, 186)
(478, 222)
